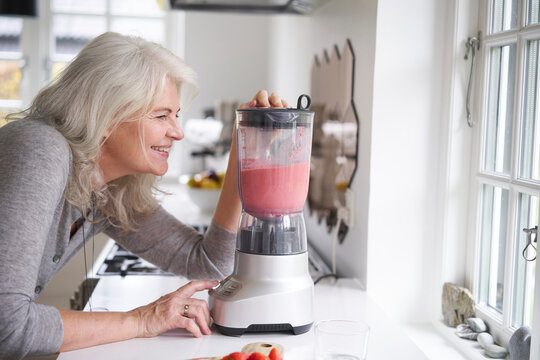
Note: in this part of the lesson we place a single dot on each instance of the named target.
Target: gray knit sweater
(35, 223)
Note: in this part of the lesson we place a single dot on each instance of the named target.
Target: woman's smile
(161, 150)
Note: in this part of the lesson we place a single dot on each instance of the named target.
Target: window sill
(433, 344)
(471, 350)
(439, 342)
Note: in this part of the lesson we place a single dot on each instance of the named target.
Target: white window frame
(37, 44)
(502, 331)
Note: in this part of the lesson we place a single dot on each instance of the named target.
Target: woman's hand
(261, 99)
(176, 310)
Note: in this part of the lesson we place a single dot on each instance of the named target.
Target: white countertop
(341, 300)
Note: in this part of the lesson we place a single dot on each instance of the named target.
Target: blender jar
(274, 151)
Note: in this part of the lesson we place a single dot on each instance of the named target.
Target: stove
(121, 262)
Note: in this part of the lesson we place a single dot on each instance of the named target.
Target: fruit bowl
(203, 189)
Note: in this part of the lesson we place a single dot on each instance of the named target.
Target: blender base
(265, 293)
(263, 328)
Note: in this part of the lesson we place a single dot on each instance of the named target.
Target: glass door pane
(500, 112)
(530, 128)
(533, 15)
(149, 29)
(528, 210)
(79, 6)
(10, 34)
(136, 7)
(10, 66)
(503, 15)
(72, 32)
(493, 246)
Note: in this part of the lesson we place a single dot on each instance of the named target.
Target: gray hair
(114, 79)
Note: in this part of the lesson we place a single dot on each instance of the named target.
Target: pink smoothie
(273, 191)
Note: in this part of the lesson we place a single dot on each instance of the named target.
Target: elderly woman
(83, 159)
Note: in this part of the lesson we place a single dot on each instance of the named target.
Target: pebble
(495, 351)
(485, 339)
(520, 344)
(465, 332)
(477, 325)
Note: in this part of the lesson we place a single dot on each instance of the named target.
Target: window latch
(472, 45)
(530, 242)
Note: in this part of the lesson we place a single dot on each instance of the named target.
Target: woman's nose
(174, 131)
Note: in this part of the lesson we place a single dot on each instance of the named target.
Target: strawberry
(236, 356)
(258, 356)
(274, 354)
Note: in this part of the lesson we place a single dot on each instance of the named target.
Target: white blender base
(265, 293)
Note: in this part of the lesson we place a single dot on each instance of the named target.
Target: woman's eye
(162, 117)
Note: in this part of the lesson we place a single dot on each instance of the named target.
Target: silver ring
(186, 310)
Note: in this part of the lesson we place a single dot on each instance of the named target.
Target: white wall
(408, 119)
(404, 55)
(297, 41)
(412, 143)
(229, 53)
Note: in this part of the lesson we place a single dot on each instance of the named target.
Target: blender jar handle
(299, 104)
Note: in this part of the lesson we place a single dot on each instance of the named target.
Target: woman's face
(122, 153)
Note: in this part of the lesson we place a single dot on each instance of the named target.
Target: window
(11, 63)
(76, 22)
(507, 174)
(68, 26)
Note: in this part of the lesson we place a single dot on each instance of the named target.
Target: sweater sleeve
(175, 247)
(34, 168)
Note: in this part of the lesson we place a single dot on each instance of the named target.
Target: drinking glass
(341, 340)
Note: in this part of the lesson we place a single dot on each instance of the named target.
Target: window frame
(38, 44)
(502, 330)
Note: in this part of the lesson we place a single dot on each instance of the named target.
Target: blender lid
(278, 117)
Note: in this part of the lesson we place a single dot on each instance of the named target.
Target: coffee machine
(270, 288)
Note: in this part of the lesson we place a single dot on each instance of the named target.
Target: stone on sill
(495, 351)
(519, 345)
(485, 339)
(457, 304)
(477, 325)
(465, 332)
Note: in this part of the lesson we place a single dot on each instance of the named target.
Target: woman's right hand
(169, 312)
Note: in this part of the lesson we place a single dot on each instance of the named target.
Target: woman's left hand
(261, 99)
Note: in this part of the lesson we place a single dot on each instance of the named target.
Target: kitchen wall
(400, 86)
(409, 232)
(230, 54)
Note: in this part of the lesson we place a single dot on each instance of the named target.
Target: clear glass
(149, 29)
(274, 150)
(10, 79)
(73, 32)
(533, 14)
(500, 112)
(341, 340)
(493, 246)
(136, 7)
(504, 15)
(528, 211)
(79, 6)
(10, 34)
(529, 161)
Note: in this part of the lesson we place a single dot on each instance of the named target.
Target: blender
(270, 288)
